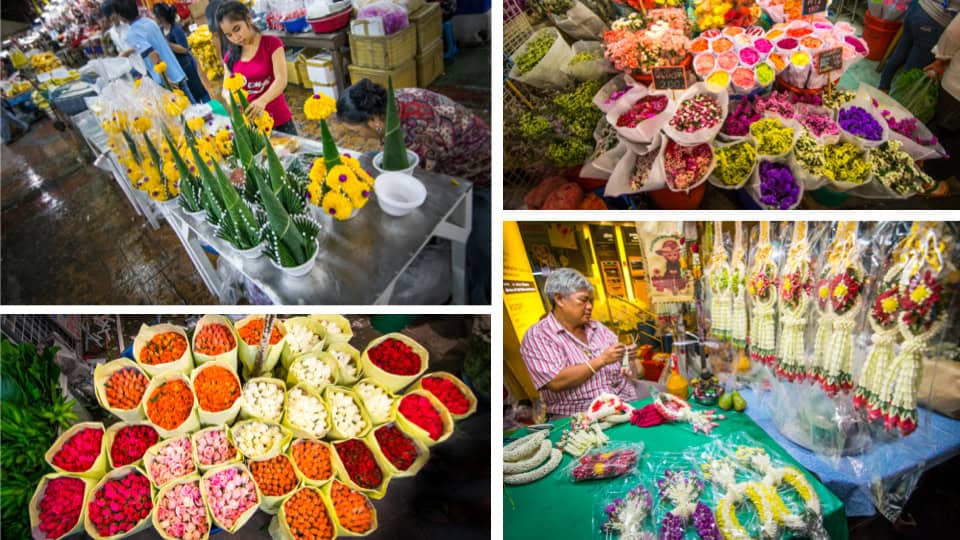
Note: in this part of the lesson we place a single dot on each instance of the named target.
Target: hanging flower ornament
(763, 295)
(738, 282)
(795, 289)
(721, 299)
(882, 318)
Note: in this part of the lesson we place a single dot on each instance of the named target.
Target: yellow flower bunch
(175, 103)
(319, 107)
(170, 171)
(117, 122)
(340, 190)
(201, 44)
(195, 123)
(141, 124)
(160, 67)
(234, 82)
(224, 142)
(264, 123)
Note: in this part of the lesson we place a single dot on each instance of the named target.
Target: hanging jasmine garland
(882, 316)
(738, 331)
(721, 301)
(796, 282)
(763, 294)
(824, 314)
(846, 300)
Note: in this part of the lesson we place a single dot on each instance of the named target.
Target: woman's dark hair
(233, 11)
(166, 12)
(361, 102)
(126, 9)
(107, 9)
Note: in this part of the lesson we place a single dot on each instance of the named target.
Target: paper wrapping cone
(247, 354)
(99, 466)
(193, 478)
(464, 389)
(102, 374)
(293, 379)
(288, 354)
(377, 492)
(345, 378)
(113, 475)
(111, 434)
(334, 432)
(418, 432)
(246, 413)
(341, 322)
(237, 458)
(275, 450)
(151, 455)
(34, 509)
(279, 530)
(245, 517)
(229, 357)
(271, 503)
(189, 424)
(392, 382)
(423, 453)
(341, 530)
(299, 431)
(182, 365)
(377, 419)
(226, 416)
(306, 480)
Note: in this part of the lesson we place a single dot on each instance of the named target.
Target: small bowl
(398, 194)
(251, 253)
(412, 158)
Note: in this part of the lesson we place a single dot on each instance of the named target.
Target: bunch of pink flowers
(230, 493)
(181, 512)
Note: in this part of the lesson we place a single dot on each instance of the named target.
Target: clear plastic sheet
(622, 510)
(612, 460)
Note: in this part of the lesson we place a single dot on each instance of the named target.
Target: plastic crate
(429, 23)
(430, 63)
(384, 52)
(403, 77)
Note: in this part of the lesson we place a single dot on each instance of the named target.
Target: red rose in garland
(448, 394)
(397, 447)
(361, 466)
(421, 412)
(396, 357)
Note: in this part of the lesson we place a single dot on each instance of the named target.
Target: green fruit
(726, 401)
(739, 403)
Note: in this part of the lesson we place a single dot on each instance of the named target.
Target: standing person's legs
(926, 32)
(185, 86)
(902, 51)
(289, 128)
(478, 248)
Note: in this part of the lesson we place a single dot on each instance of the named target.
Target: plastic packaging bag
(609, 461)
(887, 108)
(606, 98)
(580, 22)
(394, 17)
(714, 179)
(648, 129)
(670, 182)
(625, 177)
(623, 511)
(917, 93)
(591, 66)
(862, 142)
(705, 134)
(548, 72)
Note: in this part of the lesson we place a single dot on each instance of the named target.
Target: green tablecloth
(555, 507)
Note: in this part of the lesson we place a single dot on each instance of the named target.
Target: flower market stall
(700, 104)
(257, 426)
(288, 214)
(772, 379)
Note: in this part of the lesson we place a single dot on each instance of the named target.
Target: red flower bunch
(761, 284)
(738, 16)
(793, 286)
(119, 505)
(131, 443)
(604, 465)
(447, 393)
(845, 287)
(360, 464)
(420, 411)
(61, 505)
(886, 305)
(399, 449)
(921, 302)
(80, 451)
(396, 357)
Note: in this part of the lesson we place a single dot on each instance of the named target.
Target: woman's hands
(255, 108)
(613, 353)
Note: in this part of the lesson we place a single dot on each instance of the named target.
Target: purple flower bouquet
(779, 190)
(860, 123)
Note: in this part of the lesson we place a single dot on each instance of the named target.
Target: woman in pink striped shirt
(571, 358)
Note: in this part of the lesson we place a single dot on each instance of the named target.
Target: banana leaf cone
(292, 239)
(331, 155)
(394, 149)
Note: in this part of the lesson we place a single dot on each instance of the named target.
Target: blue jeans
(920, 33)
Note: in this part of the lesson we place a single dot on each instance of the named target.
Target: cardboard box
(372, 27)
(320, 69)
(327, 89)
(293, 75)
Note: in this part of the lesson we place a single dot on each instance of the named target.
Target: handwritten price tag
(669, 78)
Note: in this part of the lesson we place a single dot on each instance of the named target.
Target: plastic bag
(609, 461)
(580, 22)
(753, 189)
(705, 134)
(714, 179)
(592, 66)
(888, 109)
(394, 17)
(623, 511)
(862, 142)
(671, 182)
(917, 93)
(622, 178)
(606, 98)
(548, 72)
(648, 129)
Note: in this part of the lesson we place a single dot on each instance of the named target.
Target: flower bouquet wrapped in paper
(312, 461)
(353, 513)
(58, 505)
(120, 385)
(214, 338)
(162, 348)
(120, 504)
(250, 331)
(394, 360)
(127, 442)
(170, 405)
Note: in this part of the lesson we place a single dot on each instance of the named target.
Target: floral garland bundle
(608, 409)
(796, 282)
(721, 299)
(923, 316)
(738, 332)
(882, 317)
(683, 489)
(763, 294)
(626, 517)
(838, 305)
(808, 520)
(674, 409)
(723, 474)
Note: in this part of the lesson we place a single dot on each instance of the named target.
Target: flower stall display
(721, 296)
(778, 189)
(348, 417)
(846, 166)
(353, 512)
(377, 400)
(685, 167)
(699, 115)
(400, 453)
(348, 361)
(120, 504)
(628, 516)
(337, 326)
(201, 44)
(794, 294)
(315, 370)
(57, 506)
(680, 490)
(169, 460)
(212, 447)
(635, 46)
(424, 417)
(773, 138)
(606, 463)
(259, 440)
(735, 163)
(451, 391)
(762, 288)
(305, 510)
(807, 162)
(275, 478)
(120, 385)
(303, 335)
(640, 116)
(394, 360)
(893, 168)
(170, 405)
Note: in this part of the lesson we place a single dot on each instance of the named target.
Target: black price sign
(811, 7)
(669, 78)
(830, 60)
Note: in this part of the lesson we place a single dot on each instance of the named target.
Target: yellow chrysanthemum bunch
(117, 122)
(175, 103)
(234, 82)
(224, 142)
(160, 67)
(319, 107)
(340, 190)
(141, 124)
(195, 123)
(264, 123)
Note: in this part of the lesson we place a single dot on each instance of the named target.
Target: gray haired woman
(571, 358)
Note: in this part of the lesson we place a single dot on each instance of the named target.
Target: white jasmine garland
(254, 439)
(313, 371)
(347, 367)
(300, 338)
(263, 400)
(346, 415)
(307, 412)
(377, 401)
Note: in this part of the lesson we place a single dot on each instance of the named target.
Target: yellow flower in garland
(160, 68)
(234, 82)
(319, 107)
(890, 304)
(921, 293)
(787, 285)
(840, 291)
(337, 205)
(195, 123)
(824, 292)
(264, 123)
(141, 124)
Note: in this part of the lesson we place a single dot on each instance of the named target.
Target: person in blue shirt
(167, 19)
(148, 41)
